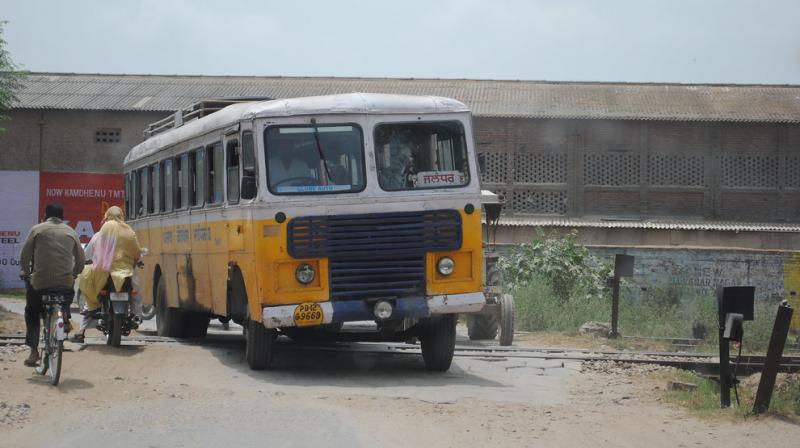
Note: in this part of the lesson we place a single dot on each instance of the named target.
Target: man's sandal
(77, 338)
(32, 360)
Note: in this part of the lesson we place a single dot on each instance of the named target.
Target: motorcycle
(148, 312)
(116, 318)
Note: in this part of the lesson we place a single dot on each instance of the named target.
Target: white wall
(19, 205)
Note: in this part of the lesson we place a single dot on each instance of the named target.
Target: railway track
(704, 363)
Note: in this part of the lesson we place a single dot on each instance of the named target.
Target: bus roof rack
(197, 110)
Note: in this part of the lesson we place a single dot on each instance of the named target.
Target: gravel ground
(173, 395)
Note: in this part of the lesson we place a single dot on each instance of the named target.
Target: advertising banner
(85, 197)
(19, 195)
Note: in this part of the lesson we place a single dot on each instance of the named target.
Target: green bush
(558, 286)
(557, 261)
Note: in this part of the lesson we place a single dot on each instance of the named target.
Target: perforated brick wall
(637, 169)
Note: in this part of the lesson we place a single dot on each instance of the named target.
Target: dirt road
(174, 395)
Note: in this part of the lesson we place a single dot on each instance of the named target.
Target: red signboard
(85, 197)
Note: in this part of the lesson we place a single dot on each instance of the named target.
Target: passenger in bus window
(285, 163)
(409, 172)
(336, 164)
(339, 175)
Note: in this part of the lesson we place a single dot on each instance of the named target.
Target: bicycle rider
(51, 258)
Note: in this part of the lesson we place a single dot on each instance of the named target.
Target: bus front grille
(376, 277)
(375, 255)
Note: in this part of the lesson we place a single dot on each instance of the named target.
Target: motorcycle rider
(51, 258)
(115, 251)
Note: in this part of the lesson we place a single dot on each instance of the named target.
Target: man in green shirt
(52, 257)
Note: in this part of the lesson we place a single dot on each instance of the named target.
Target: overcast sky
(701, 41)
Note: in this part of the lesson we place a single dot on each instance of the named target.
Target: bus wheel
(438, 341)
(169, 321)
(259, 346)
(482, 326)
(506, 319)
(195, 325)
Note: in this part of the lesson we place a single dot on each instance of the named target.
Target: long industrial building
(686, 177)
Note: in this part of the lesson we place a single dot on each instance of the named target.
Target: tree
(10, 78)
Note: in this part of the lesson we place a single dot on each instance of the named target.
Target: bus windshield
(413, 156)
(314, 159)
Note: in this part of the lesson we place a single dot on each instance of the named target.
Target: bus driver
(286, 164)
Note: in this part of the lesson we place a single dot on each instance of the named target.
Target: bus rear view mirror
(248, 187)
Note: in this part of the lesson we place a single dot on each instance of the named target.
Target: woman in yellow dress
(114, 251)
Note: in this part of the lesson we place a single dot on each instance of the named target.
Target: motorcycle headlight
(445, 266)
(305, 274)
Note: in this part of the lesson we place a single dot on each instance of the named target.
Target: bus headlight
(382, 310)
(445, 266)
(304, 274)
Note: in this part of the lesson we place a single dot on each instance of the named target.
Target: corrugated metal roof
(488, 98)
(676, 224)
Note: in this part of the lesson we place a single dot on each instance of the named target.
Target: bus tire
(506, 319)
(482, 326)
(169, 321)
(237, 295)
(195, 325)
(438, 341)
(259, 345)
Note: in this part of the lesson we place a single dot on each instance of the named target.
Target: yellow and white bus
(297, 215)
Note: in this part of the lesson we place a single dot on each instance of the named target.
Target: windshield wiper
(319, 149)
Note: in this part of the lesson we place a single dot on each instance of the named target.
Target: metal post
(724, 369)
(623, 267)
(614, 307)
(724, 353)
(774, 354)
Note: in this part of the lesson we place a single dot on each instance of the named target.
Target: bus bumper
(360, 310)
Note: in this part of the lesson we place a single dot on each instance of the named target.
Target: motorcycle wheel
(114, 337)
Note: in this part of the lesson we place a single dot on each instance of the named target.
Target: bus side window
(128, 195)
(182, 182)
(137, 193)
(158, 195)
(215, 163)
(169, 194)
(150, 190)
(176, 182)
(232, 168)
(191, 185)
(248, 189)
(198, 177)
(144, 183)
(133, 195)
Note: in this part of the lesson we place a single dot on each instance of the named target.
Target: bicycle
(53, 334)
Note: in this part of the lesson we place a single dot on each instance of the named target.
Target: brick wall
(69, 139)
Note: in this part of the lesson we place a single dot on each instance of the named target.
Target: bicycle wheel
(56, 351)
(44, 358)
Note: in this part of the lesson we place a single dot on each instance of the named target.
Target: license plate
(308, 314)
(119, 296)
